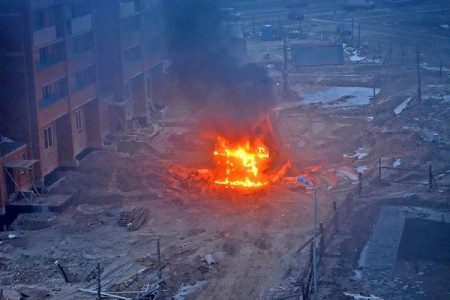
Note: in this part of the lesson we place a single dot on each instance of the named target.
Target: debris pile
(132, 217)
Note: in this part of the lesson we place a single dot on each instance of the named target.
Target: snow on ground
(356, 58)
(344, 97)
(348, 174)
(361, 297)
(361, 169)
(426, 67)
(398, 110)
(397, 162)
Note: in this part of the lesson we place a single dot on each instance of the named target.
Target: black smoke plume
(234, 97)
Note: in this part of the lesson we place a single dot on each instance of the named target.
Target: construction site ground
(253, 238)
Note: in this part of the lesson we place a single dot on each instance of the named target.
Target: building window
(84, 78)
(78, 120)
(50, 55)
(82, 43)
(130, 25)
(80, 8)
(48, 137)
(53, 91)
(133, 54)
(43, 18)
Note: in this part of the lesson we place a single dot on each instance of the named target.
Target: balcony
(83, 95)
(132, 69)
(78, 61)
(53, 111)
(37, 4)
(80, 24)
(127, 9)
(44, 36)
(43, 103)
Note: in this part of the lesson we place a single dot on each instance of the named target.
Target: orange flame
(240, 165)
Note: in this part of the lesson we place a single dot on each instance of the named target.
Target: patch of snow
(356, 58)
(446, 98)
(347, 96)
(357, 275)
(426, 67)
(445, 26)
(360, 154)
(401, 107)
(185, 290)
(348, 174)
(363, 256)
(361, 169)
(361, 297)
(370, 118)
(397, 162)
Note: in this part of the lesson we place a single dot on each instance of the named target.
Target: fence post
(322, 239)
(336, 225)
(99, 285)
(359, 183)
(379, 168)
(430, 178)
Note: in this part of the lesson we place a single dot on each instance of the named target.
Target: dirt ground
(253, 238)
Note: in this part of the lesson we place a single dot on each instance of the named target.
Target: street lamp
(306, 182)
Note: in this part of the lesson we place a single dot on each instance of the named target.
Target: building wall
(63, 68)
(317, 54)
(19, 177)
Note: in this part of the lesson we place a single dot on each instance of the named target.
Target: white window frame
(79, 120)
(48, 137)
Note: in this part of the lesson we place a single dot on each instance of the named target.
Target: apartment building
(129, 43)
(73, 71)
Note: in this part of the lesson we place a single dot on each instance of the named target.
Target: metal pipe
(314, 242)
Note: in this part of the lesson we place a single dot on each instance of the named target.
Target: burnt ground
(254, 238)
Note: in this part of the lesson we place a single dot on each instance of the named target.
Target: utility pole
(419, 81)
(285, 68)
(359, 35)
(254, 25)
(353, 44)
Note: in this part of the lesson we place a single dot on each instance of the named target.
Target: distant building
(73, 71)
(317, 54)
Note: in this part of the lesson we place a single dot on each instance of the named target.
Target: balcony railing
(50, 100)
(127, 9)
(44, 36)
(80, 24)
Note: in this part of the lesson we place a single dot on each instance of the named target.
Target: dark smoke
(233, 97)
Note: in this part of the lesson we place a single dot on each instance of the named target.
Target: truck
(351, 5)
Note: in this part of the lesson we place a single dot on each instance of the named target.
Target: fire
(241, 165)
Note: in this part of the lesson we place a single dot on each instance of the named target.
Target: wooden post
(419, 81)
(336, 225)
(379, 168)
(159, 258)
(430, 178)
(359, 183)
(322, 239)
(99, 286)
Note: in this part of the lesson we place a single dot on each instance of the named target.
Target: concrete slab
(46, 203)
(383, 248)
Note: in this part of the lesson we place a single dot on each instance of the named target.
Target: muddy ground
(254, 238)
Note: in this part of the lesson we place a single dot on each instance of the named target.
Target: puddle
(344, 97)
